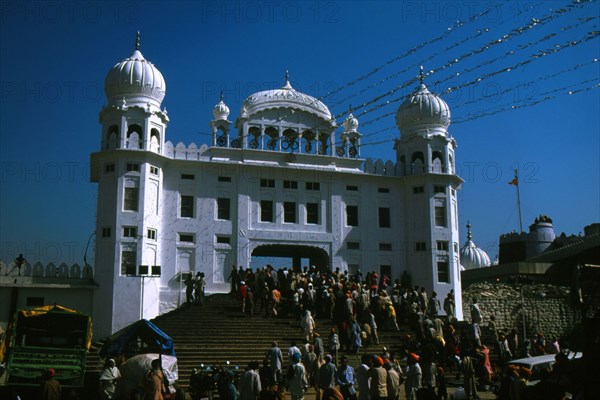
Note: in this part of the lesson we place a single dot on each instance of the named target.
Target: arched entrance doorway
(294, 254)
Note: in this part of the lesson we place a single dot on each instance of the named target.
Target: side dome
(220, 110)
(136, 80)
(423, 112)
(285, 97)
(471, 256)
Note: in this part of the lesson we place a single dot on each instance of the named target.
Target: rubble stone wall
(547, 308)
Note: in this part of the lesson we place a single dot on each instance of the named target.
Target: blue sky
(55, 56)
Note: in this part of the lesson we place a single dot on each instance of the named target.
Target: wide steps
(218, 332)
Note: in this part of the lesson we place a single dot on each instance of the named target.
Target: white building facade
(283, 180)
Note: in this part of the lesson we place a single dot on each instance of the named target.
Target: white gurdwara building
(277, 182)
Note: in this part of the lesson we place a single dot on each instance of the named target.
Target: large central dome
(285, 97)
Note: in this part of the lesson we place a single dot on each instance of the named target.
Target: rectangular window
(153, 170)
(266, 211)
(186, 237)
(151, 234)
(418, 189)
(130, 199)
(133, 167)
(224, 179)
(439, 189)
(223, 210)
(223, 239)
(188, 176)
(455, 245)
(129, 231)
(312, 213)
(187, 207)
(383, 190)
(352, 188)
(289, 212)
(385, 247)
(128, 261)
(352, 215)
(440, 216)
(353, 245)
(442, 272)
(442, 246)
(420, 246)
(313, 186)
(384, 217)
(106, 232)
(108, 168)
(267, 183)
(290, 184)
(453, 192)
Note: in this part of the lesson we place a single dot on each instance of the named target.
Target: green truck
(46, 337)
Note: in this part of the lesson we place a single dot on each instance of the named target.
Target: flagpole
(519, 201)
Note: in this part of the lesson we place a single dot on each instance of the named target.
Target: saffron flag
(515, 182)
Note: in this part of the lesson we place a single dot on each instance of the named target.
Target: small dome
(285, 97)
(423, 111)
(220, 110)
(350, 124)
(471, 256)
(136, 80)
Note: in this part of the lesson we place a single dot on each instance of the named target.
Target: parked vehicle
(46, 337)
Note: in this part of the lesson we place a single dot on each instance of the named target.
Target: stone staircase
(218, 332)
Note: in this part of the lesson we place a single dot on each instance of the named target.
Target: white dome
(136, 80)
(423, 111)
(285, 97)
(220, 110)
(471, 256)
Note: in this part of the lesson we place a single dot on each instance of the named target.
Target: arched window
(309, 139)
(134, 136)
(155, 140)
(402, 165)
(112, 137)
(273, 137)
(418, 162)
(323, 144)
(437, 162)
(290, 140)
(254, 137)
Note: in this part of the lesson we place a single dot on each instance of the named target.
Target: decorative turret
(220, 125)
(220, 110)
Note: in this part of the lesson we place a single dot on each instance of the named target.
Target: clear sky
(511, 64)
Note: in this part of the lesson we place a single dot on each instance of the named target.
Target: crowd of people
(359, 306)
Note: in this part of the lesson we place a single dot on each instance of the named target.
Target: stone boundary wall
(547, 308)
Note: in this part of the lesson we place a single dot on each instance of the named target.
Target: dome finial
(137, 40)
(287, 84)
(421, 76)
(469, 236)
(222, 97)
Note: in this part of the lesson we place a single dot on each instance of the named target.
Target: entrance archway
(316, 256)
